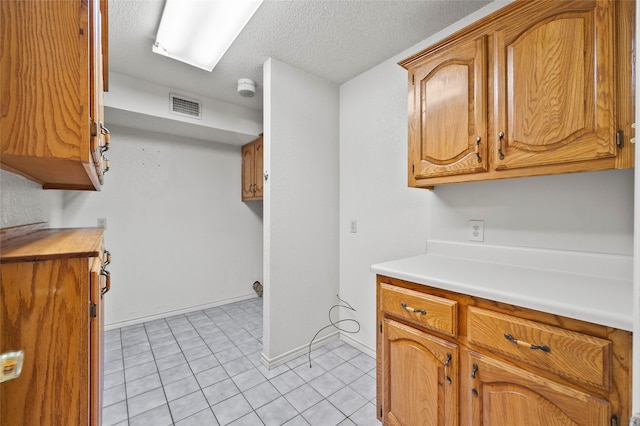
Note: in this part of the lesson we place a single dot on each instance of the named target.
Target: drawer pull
(543, 348)
(414, 310)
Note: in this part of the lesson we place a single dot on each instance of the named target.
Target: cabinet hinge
(413, 79)
(93, 310)
(94, 128)
(380, 326)
(413, 169)
(380, 411)
(620, 139)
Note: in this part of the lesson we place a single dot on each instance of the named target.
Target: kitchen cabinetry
(509, 365)
(52, 121)
(252, 156)
(51, 307)
(536, 88)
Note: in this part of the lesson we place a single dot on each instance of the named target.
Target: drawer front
(429, 311)
(569, 354)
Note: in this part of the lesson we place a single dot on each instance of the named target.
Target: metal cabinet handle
(474, 373)
(543, 348)
(107, 137)
(447, 365)
(106, 164)
(107, 285)
(478, 140)
(414, 310)
(500, 138)
(107, 274)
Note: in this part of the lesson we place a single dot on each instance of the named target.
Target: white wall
(23, 201)
(392, 219)
(586, 211)
(178, 232)
(300, 208)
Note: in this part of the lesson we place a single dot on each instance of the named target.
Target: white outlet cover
(476, 230)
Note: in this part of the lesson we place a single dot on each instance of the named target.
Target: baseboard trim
(270, 363)
(139, 320)
(358, 345)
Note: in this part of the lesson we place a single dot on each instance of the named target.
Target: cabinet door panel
(447, 112)
(420, 381)
(247, 171)
(555, 91)
(258, 167)
(502, 394)
(96, 283)
(45, 313)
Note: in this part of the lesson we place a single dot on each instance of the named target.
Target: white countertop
(591, 287)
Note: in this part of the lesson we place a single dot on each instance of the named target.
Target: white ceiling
(333, 39)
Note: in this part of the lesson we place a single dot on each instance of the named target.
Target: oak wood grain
(47, 101)
(607, 360)
(557, 84)
(52, 244)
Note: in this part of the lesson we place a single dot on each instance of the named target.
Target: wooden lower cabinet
(420, 373)
(481, 362)
(503, 395)
(52, 284)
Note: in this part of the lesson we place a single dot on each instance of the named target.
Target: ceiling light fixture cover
(199, 32)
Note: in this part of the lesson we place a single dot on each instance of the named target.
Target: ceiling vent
(186, 107)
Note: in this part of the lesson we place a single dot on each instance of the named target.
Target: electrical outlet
(354, 226)
(102, 222)
(476, 230)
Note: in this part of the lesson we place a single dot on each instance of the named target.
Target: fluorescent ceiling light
(199, 32)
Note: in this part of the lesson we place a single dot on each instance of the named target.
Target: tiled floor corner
(203, 368)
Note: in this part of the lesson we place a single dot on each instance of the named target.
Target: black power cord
(333, 323)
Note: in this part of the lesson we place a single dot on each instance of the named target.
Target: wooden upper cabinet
(252, 167)
(51, 123)
(556, 86)
(447, 112)
(544, 86)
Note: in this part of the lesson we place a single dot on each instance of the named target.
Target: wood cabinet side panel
(44, 309)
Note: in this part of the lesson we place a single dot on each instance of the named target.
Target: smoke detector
(246, 87)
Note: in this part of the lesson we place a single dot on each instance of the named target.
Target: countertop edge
(600, 300)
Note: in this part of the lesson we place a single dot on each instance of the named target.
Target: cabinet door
(419, 380)
(96, 284)
(46, 101)
(447, 112)
(44, 305)
(555, 85)
(501, 394)
(258, 167)
(247, 171)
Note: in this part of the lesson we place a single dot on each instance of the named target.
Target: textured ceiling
(332, 39)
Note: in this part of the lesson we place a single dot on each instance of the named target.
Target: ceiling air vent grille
(186, 107)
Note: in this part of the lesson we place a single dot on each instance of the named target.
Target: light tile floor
(203, 368)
